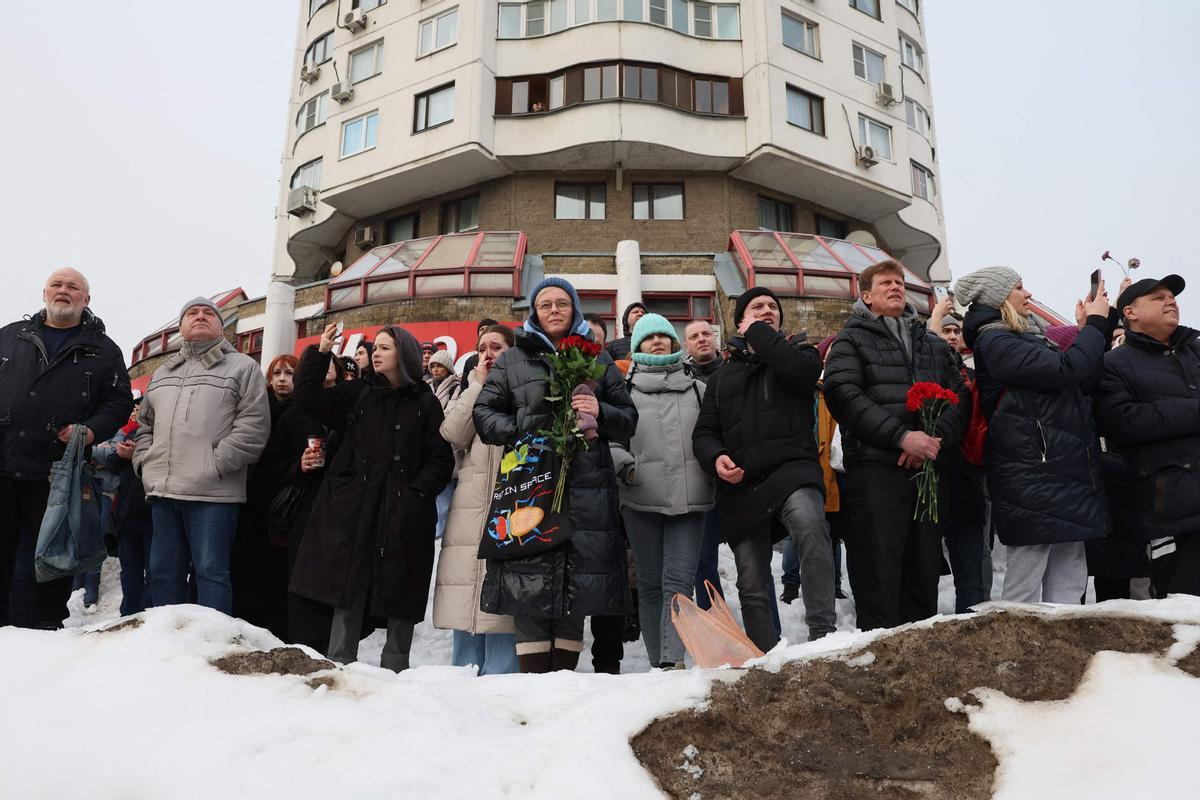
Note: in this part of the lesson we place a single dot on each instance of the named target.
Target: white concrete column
(279, 330)
(629, 277)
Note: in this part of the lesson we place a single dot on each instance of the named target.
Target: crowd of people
(312, 500)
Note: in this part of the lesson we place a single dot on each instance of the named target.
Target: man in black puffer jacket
(57, 369)
(893, 560)
(756, 434)
(1148, 408)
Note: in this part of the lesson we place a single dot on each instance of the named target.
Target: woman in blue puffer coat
(1042, 454)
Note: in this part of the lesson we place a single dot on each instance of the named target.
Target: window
(438, 32)
(583, 11)
(632, 10)
(579, 200)
(679, 309)
(800, 34)
(366, 63)
(911, 54)
(868, 64)
(461, 214)
(359, 134)
(877, 135)
(558, 15)
(679, 16)
(869, 7)
(658, 12)
(774, 215)
(599, 83)
(318, 51)
(916, 116)
(911, 5)
(922, 180)
(830, 228)
(702, 19)
(313, 5)
(606, 10)
(366, 5)
(727, 22)
(510, 21)
(806, 110)
(434, 108)
(535, 19)
(307, 175)
(712, 97)
(520, 97)
(402, 229)
(658, 201)
(251, 343)
(557, 95)
(312, 113)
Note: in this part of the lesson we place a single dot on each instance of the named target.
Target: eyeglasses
(560, 305)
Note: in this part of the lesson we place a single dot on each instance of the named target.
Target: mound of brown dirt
(281, 660)
(873, 723)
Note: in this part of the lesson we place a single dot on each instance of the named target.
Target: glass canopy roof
(805, 265)
(487, 262)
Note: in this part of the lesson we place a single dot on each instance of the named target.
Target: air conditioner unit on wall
(867, 156)
(342, 91)
(885, 95)
(364, 236)
(302, 200)
(355, 20)
(309, 72)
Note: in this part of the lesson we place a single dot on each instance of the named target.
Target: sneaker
(790, 593)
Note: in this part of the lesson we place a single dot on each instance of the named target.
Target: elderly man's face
(200, 324)
(66, 295)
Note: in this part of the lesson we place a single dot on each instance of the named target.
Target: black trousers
(1178, 572)
(608, 642)
(23, 601)
(893, 560)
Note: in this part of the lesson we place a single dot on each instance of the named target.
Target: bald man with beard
(58, 369)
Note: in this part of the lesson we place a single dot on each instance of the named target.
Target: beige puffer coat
(459, 571)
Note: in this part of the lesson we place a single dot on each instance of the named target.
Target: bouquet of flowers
(929, 400)
(573, 371)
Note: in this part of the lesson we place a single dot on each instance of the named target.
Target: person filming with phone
(1042, 453)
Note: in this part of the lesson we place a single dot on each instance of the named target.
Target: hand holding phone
(1095, 285)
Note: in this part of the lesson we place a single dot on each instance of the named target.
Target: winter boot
(564, 659)
(790, 592)
(534, 662)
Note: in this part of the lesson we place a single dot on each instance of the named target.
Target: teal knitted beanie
(650, 324)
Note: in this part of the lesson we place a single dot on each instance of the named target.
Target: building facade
(442, 155)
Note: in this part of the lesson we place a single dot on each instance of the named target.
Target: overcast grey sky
(141, 144)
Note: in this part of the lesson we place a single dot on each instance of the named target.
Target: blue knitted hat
(649, 325)
(579, 325)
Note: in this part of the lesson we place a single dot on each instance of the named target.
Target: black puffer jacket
(1148, 408)
(86, 382)
(586, 575)
(760, 410)
(867, 377)
(1042, 454)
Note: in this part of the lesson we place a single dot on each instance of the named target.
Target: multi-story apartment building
(442, 155)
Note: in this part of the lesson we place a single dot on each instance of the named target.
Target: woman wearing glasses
(549, 594)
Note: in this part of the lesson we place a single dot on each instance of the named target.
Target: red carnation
(930, 400)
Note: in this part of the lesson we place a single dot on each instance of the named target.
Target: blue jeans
(133, 551)
(707, 569)
(666, 550)
(791, 561)
(195, 532)
(443, 506)
(90, 581)
(493, 653)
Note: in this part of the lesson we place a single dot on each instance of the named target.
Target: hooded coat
(619, 349)
(760, 410)
(85, 382)
(1042, 454)
(460, 572)
(374, 517)
(868, 373)
(1148, 409)
(587, 574)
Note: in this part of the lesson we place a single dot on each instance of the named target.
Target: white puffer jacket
(459, 571)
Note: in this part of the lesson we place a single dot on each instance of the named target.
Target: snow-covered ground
(140, 712)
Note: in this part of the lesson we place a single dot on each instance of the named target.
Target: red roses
(588, 348)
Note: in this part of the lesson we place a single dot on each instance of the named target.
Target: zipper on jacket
(1042, 435)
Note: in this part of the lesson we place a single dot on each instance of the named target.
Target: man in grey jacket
(203, 421)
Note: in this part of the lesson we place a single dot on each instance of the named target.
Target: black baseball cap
(1147, 285)
(430, 346)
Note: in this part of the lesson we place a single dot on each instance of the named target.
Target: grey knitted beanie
(989, 286)
(199, 301)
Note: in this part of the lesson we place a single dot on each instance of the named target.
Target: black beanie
(739, 308)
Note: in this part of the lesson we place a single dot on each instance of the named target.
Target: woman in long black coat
(550, 594)
(370, 534)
